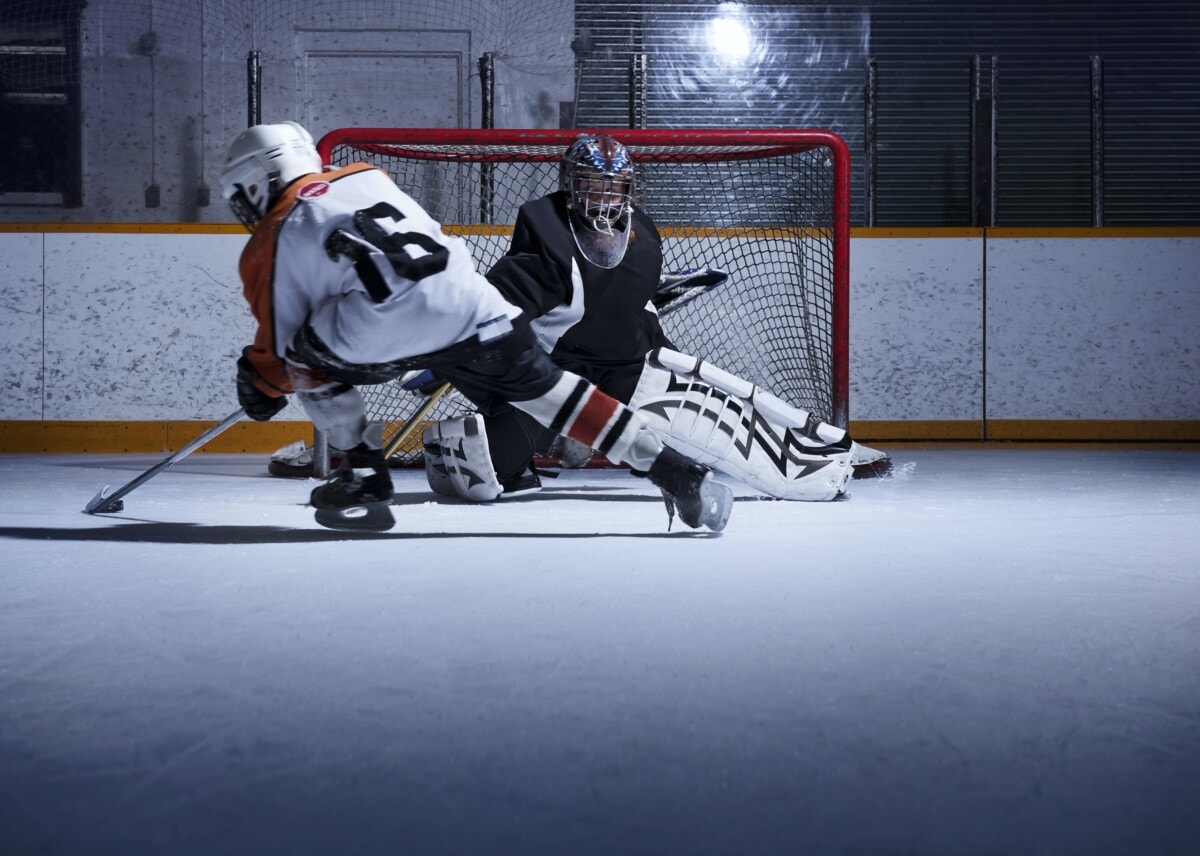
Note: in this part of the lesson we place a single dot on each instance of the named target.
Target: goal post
(770, 207)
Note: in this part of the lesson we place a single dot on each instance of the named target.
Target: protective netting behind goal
(767, 207)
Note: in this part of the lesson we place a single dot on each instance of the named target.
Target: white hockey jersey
(368, 268)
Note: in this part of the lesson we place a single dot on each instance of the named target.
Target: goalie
(585, 265)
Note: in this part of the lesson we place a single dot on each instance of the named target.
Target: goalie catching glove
(258, 405)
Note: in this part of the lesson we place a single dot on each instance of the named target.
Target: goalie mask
(597, 176)
(262, 161)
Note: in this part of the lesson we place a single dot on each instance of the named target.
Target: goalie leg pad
(866, 462)
(772, 407)
(730, 434)
(458, 462)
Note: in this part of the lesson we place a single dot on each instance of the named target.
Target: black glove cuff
(258, 405)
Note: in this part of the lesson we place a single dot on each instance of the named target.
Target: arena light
(728, 35)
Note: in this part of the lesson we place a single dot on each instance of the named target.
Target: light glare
(729, 38)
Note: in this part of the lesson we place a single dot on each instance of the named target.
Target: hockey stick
(413, 421)
(104, 503)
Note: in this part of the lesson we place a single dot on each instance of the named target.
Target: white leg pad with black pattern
(724, 427)
(458, 461)
(769, 405)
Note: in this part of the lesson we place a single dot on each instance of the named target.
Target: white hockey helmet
(262, 161)
(597, 176)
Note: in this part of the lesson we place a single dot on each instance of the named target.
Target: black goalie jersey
(597, 322)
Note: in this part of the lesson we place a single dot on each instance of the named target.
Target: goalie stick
(106, 503)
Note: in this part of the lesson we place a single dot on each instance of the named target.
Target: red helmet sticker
(314, 189)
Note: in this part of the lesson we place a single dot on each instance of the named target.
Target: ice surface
(995, 650)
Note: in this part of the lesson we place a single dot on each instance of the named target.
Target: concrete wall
(163, 86)
(946, 328)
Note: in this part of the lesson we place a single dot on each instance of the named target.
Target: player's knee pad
(726, 432)
(337, 409)
(458, 462)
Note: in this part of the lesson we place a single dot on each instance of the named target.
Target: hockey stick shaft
(413, 421)
(103, 503)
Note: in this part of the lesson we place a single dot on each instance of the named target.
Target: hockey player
(351, 282)
(585, 263)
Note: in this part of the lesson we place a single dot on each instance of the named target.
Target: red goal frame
(555, 141)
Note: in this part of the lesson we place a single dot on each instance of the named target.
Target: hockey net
(768, 207)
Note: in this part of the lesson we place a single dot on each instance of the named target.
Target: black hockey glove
(258, 405)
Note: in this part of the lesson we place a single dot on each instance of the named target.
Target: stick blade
(101, 504)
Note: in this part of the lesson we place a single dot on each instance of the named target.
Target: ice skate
(359, 496)
(690, 488)
(522, 484)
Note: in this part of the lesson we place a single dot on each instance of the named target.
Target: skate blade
(366, 517)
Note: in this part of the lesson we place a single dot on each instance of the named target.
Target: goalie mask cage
(769, 207)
